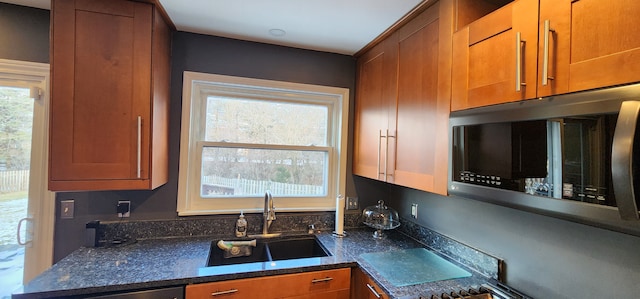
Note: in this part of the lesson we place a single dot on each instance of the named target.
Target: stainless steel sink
(271, 249)
(216, 256)
(295, 249)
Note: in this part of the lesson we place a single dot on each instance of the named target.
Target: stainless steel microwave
(574, 156)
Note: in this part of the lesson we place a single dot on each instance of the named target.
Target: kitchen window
(241, 137)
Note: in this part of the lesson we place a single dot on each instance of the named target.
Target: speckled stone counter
(157, 263)
(361, 241)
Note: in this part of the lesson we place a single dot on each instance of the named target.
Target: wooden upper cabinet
(591, 43)
(110, 96)
(496, 56)
(573, 45)
(402, 103)
(424, 69)
(375, 109)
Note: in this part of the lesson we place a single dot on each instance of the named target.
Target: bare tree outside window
(238, 171)
(265, 122)
(16, 115)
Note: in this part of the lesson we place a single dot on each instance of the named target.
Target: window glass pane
(265, 122)
(241, 172)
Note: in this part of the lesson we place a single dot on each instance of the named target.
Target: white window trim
(41, 211)
(189, 201)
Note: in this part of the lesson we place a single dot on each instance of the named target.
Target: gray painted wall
(545, 257)
(24, 33)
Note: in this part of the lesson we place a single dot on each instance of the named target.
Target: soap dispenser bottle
(241, 226)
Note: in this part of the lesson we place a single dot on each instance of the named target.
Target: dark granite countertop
(157, 263)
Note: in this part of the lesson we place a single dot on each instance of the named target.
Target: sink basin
(295, 249)
(271, 249)
(216, 255)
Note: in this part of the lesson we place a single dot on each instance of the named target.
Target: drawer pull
(322, 280)
(373, 290)
(224, 292)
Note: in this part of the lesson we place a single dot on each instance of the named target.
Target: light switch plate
(66, 209)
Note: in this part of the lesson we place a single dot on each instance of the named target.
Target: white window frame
(196, 88)
(41, 210)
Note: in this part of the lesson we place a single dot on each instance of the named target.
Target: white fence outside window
(14, 181)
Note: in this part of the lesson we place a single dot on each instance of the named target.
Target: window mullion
(200, 144)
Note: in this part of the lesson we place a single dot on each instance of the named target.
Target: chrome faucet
(269, 213)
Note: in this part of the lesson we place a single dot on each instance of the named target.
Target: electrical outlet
(123, 208)
(66, 209)
(352, 203)
(414, 210)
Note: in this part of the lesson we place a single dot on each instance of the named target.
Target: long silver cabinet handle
(386, 154)
(139, 154)
(373, 290)
(379, 152)
(519, 43)
(386, 157)
(317, 280)
(219, 293)
(622, 160)
(545, 56)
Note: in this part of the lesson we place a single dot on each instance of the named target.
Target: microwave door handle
(622, 160)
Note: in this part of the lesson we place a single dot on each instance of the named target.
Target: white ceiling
(338, 26)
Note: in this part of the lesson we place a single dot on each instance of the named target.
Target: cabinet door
(375, 110)
(496, 57)
(333, 283)
(597, 46)
(340, 294)
(554, 47)
(363, 287)
(100, 124)
(424, 63)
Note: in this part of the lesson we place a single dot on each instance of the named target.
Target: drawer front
(288, 285)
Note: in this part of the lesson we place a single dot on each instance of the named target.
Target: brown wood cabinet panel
(362, 286)
(422, 99)
(331, 283)
(102, 88)
(160, 80)
(340, 294)
(581, 45)
(468, 11)
(603, 47)
(402, 114)
(375, 106)
(558, 48)
(486, 52)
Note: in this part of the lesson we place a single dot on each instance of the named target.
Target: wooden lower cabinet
(363, 287)
(332, 284)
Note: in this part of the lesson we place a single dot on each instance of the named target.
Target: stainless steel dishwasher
(165, 293)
